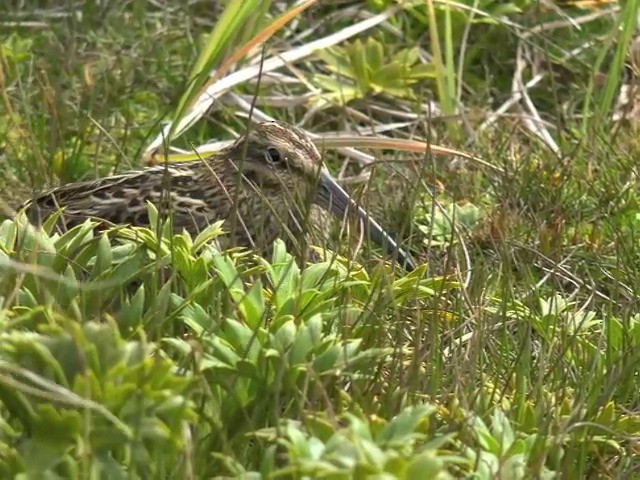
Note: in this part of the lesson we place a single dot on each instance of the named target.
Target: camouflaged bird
(268, 184)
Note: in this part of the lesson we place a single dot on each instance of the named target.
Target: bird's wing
(122, 199)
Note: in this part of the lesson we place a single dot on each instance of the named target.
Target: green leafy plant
(367, 68)
(441, 225)
(397, 448)
(83, 385)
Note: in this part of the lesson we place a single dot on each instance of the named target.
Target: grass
(512, 352)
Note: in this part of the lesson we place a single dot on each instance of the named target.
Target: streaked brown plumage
(266, 185)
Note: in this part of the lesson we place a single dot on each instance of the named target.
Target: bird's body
(266, 185)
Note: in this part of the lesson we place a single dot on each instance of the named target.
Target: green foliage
(237, 22)
(398, 448)
(265, 331)
(262, 341)
(502, 452)
(365, 68)
(79, 388)
(622, 36)
(15, 51)
(445, 223)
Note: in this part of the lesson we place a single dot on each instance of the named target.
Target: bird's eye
(273, 156)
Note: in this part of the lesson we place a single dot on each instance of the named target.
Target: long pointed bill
(334, 199)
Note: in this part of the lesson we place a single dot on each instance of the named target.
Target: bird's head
(276, 155)
(281, 159)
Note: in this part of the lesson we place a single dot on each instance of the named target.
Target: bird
(270, 183)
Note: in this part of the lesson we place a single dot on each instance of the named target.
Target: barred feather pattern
(263, 186)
